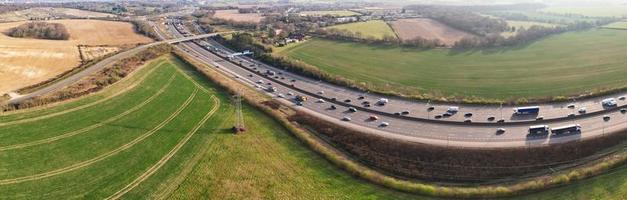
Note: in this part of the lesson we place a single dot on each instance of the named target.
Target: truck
(539, 130)
(527, 110)
(609, 102)
(569, 129)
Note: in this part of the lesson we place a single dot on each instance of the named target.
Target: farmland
(29, 61)
(408, 29)
(122, 140)
(566, 64)
(336, 13)
(238, 17)
(617, 25)
(50, 13)
(596, 11)
(375, 28)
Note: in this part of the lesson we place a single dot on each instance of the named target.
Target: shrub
(40, 30)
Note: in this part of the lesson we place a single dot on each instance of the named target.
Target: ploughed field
(26, 61)
(565, 64)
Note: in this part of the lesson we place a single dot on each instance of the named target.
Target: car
(453, 109)
(333, 99)
(347, 101)
(397, 113)
(346, 119)
(468, 121)
(260, 82)
(321, 92)
(384, 124)
(293, 80)
(571, 115)
(361, 97)
(280, 95)
(501, 121)
(351, 109)
(250, 75)
(571, 106)
(582, 110)
(271, 89)
(269, 83)
(430, 108)
(405, 112)
(333, 107)
(373, 118)
(290, 94)
(468, 115)
(609, 102)
(606, 118)
(438, 117)
(623, 110)
(365, 102)
(299, 103)
(447, 114)
(491, 118)
(382, 101)
(539, 118)
(367, 105)
(622, 98)
(320, 101)
(500, 130)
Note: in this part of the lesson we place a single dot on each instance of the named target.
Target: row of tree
(523, 36)
(40, 30)
(145, 28)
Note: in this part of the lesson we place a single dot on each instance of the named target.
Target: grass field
(142, 144)
(373, 28)
(239, 17)
(25, 62)
(336, 13)
(594, 11)
(565, 64)
(617, 25)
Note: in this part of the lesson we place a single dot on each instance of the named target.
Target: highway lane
(436, 133)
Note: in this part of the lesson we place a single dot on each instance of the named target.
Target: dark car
(491, 118)
(347, 100)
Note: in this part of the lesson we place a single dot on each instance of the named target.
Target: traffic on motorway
(525, 125)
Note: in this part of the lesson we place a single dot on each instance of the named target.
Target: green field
(336, 13)
(374, 28)
(594, 11)
(565, 64)
(617, 25)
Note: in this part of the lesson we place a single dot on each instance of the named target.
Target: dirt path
(103, 156)
(168, 156)
(94, 126)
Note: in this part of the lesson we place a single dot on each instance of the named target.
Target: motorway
(418, 125)
(97, 67)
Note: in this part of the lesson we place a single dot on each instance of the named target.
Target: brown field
(408, 29)
(93, 52)
(25, 62)
(52, 13)
(236, 16)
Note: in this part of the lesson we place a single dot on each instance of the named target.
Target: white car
(453, 109)
(582, 110)
(347, 119)
(320, 101)
(384, 124)
(610, 102)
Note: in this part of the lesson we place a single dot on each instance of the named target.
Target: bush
(40, 30)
